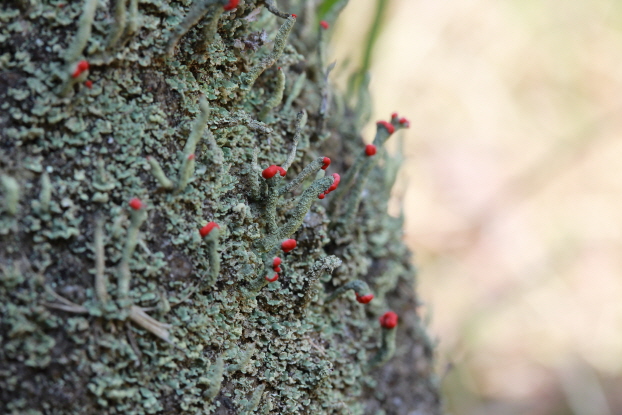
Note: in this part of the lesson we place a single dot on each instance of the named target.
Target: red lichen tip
(337, 179)
(88, 84)
(276, 262)
(293, 15)
(276, 277)
(204, 231)
(326, 162)
(281, 170)
(288, 244)
(231, 5)
(404, 122)
(394, 115)
(370, 150)
(390, 128)
(277, 269)
(136, 204)
(321, 196)
(388, 320)
(324, 24)
(191, 156)
(269, 172)
(81, 66)
(364, 299)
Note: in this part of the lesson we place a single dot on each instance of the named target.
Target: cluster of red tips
(136, 204)
(271, 171)
(324, 24)
(389, 127)
(333, 186)
(388, 320)
(364, 299)
(81, 66)
(274, 278)
(276, 264)
(288, 244)
(204, 231)
(231, 5)
(293, 15)
(403, 122)
(326, 162)
(337, 179)
(370, 150)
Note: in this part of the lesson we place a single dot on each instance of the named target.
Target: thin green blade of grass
(368, 47)
(325, 7)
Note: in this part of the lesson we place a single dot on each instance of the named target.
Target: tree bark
(114, 298)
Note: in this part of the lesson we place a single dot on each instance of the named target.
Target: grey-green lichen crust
(72, 159)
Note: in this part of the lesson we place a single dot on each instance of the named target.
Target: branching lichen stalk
(361, 162)
(209, 30)
(46, 192)
(120, 17)
(214, 258)
(134, 19)
(136, 220)
(272, 8)
(386, 350)
(280, 42)
(81, 38)
(310, 169)
(11, 193)
(297, 216)
(295, 91)
(277, 95)
(327, 264)
(159, 174)
(301, 121)
(358, 286)
(198, 9)
(101, 283)
(215, 379)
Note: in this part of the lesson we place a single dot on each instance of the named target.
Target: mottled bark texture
(110, 308)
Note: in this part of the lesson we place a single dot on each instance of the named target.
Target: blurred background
(511, 188)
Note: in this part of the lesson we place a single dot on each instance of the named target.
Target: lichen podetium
(146, 264)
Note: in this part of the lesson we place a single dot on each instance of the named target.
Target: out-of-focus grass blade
(374, 32)
(370, 42)
(325, 7)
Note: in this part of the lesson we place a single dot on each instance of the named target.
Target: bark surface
(77, 144)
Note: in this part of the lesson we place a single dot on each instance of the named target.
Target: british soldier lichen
(147, 305)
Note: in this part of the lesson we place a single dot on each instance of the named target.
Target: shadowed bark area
(126, 128)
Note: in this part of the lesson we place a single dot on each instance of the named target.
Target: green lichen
(108, 310)
(10, 193)
(138, 216)
(280, 41)
(276, 97)
(386, 349)
(358, 286)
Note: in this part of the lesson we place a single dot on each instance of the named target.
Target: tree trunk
(125, 129)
